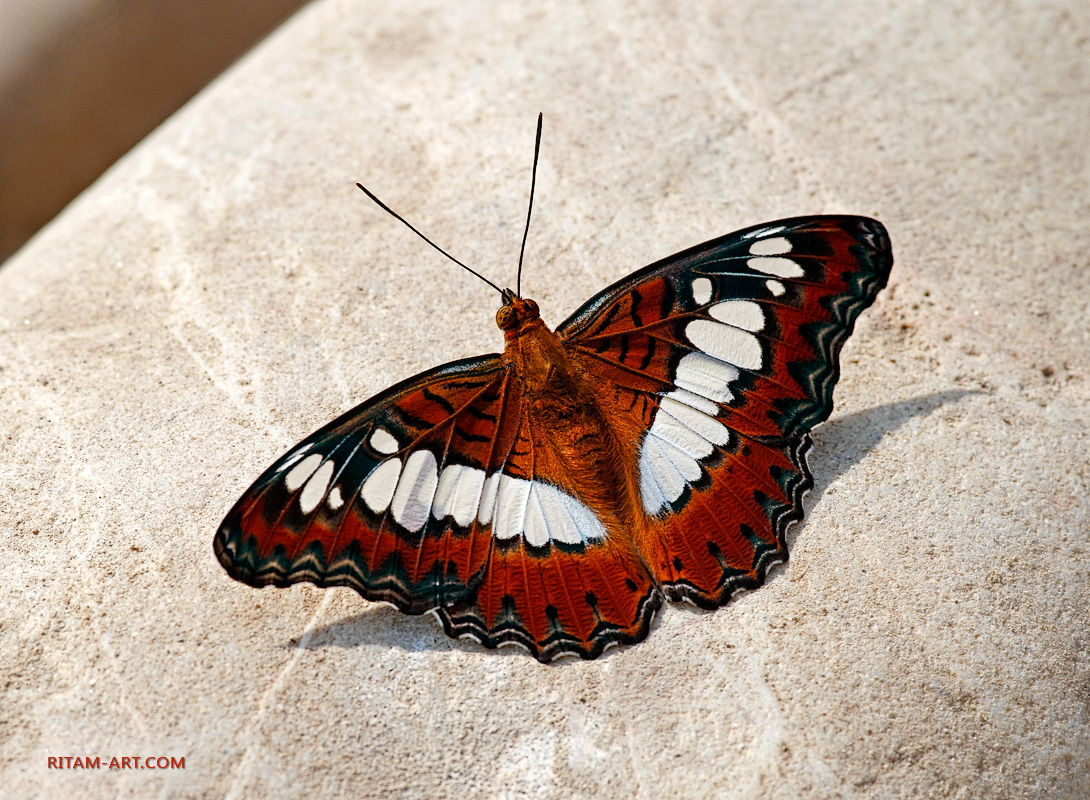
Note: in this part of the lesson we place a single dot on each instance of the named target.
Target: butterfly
(652, 447)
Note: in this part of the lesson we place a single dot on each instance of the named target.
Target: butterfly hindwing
(572, 599)
(563, 577)
(717, 362)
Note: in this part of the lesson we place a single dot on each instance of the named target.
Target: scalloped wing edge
(604, 637)
(783, 517)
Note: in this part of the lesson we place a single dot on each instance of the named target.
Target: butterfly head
(516, 313)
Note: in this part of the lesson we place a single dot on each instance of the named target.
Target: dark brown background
(82, 81)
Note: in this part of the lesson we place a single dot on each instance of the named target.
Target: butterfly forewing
(354, 504)
(720, 360)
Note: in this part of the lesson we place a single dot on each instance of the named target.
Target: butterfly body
(570, 430)
(651, 447)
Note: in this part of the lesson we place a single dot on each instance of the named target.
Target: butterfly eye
(531, 307)
(505, 318)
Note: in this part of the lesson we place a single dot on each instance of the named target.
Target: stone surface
(224, 290)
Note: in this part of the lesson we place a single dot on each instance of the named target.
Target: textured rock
(225, 289)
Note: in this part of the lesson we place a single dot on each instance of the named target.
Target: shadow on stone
(841, 444)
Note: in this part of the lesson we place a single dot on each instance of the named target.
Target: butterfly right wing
(714, 365)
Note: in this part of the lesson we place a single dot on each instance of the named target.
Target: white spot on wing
(683, 432)
(702, 290)
(379, 487)
(569, 521)
(664, 473)
(775, 265)
(415, 490)
(335, 500)
(537, 511)
(770, 247)
(458, 494)
(726, 343)
(694, 400)
(535, 527)
(444, 491)
(314, 491)
(705, 426)
(511, 500)
(301, 471)
(740, 313)
(670, 429)
(488, 498)
(652, 493)
(384, 442)
(291, 459)
(706, 376)
(775, 287)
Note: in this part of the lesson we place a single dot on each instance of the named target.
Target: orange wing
(714, 365)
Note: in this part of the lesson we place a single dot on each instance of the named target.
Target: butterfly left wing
(352, 504)
(713, 365)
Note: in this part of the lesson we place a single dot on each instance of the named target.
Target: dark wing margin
(565, 604)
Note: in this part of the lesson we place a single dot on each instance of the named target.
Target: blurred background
(82, 81)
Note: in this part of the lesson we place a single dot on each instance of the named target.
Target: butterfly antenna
(408, 225)
(533, 185)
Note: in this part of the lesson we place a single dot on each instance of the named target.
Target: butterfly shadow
(840, 444)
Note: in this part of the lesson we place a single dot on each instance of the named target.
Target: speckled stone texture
(225, 289)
